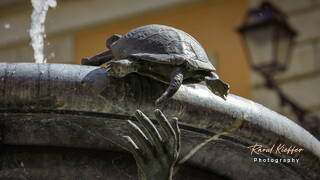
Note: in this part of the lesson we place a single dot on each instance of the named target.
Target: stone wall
(302, 80)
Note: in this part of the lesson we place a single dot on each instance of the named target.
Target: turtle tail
(98, 59)
(175, 83)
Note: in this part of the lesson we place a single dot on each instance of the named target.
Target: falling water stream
(37, 29)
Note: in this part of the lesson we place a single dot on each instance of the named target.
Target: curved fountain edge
(10, 86)
(86, 88)
(258, 114)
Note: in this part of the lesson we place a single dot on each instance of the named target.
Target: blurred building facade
(77, 29)
(302, 79)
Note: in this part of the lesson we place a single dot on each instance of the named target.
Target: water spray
(37, 29)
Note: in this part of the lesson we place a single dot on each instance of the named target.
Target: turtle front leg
(217, 86)
(121, 68)
(175, 83)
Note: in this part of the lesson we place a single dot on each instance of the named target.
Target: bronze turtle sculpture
(163, 53)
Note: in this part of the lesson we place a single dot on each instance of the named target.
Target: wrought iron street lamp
(269, 39)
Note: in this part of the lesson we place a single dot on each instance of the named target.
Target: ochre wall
(212, 23)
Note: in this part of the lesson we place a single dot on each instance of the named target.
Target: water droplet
(52, 55)
(7, 26)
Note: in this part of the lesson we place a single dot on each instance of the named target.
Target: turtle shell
(165, 42)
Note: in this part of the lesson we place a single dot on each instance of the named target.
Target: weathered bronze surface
(68, 121)
(163, 53)
(156, 151)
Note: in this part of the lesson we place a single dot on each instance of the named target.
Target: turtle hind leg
(98, 59)
(217, 86)
(175, 83)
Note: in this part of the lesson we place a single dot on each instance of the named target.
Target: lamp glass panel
(260, 44)
(283, 46)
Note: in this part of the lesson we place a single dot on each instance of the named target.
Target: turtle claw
(158, 102)
(114, 71)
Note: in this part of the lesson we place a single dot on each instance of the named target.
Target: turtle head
(217, 86)
(112, 40)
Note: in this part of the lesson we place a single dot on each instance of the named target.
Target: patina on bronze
(61, 121)
(163, 53)
(155, 151)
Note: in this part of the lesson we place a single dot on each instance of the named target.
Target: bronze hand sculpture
(156, 151)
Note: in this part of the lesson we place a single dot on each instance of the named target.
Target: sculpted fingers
(174, 122)
(149, 128)
(165, 125)
(141, 139)
(134, 149)
(156, 154)
(170, 134)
